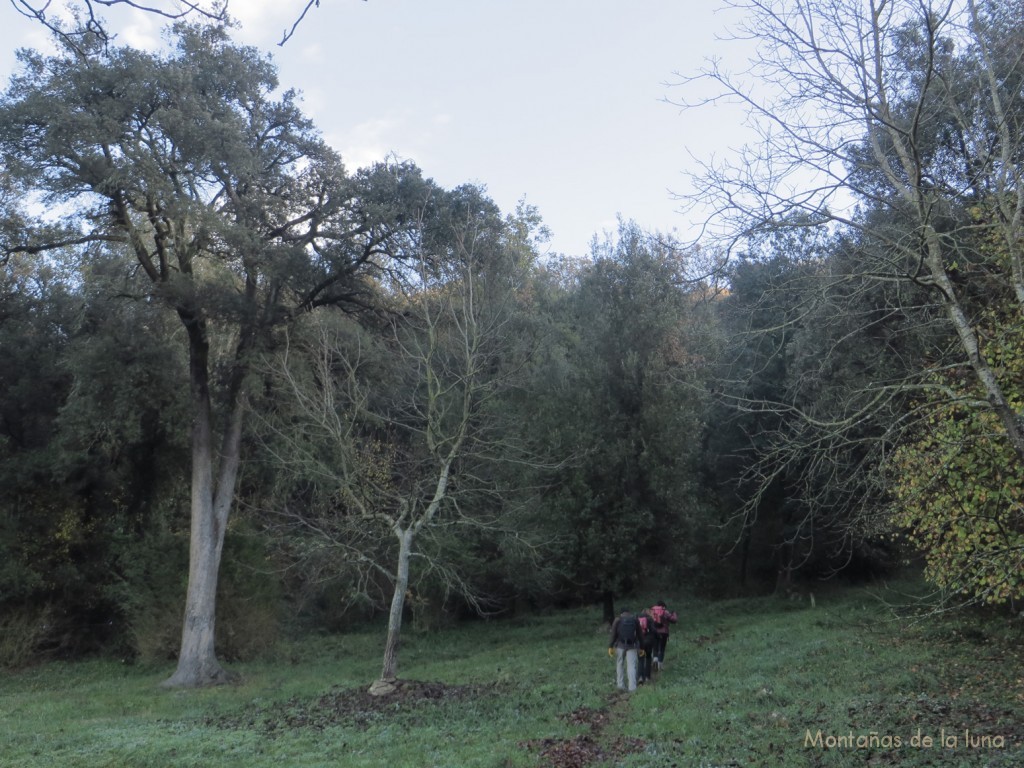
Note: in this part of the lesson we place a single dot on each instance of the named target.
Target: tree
(37, 310)
(622, 400)
(91, 447)
(911, 111)
(960, 502)
(937, 133)
(759, 317)
(956, 494)
(228, 202)
(812, 388)
(397, 434)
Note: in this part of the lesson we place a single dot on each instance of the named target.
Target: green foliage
(36, 318)
(812, 377)
(90, 477)
(250, 602)
(152, 595)
(618, 395)
(24, 629)
(957, 493)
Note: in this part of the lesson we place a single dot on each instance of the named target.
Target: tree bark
(966, 333)
(210, 506)
(608, 600)
(912, 186)
(389, 671)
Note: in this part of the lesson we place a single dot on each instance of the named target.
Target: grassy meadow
(750, 682)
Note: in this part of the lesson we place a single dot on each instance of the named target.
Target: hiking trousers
(646, 663)
(625, 668)
(659, 647)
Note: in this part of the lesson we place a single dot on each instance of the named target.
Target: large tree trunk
(608, 605)
(389, 671)
(211, 503)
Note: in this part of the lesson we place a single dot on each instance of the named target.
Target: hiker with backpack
(662, 618)
(648, 640)
(624, 644)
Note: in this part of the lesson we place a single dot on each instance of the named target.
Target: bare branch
(88, 24)
(288, 33)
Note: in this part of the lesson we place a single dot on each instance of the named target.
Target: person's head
(624, 611)
(661, 604)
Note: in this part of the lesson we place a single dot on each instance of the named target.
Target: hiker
(648, 639)
(662, 618)
(625, 640)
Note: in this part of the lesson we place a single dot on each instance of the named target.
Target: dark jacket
(630, 638)
(647, 638)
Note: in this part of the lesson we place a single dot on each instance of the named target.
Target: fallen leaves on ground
(351, 706)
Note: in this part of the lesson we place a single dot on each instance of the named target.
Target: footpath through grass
(756, 682)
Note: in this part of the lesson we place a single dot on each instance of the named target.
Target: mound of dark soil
(582, 751)
(589, 748)
(348, 707)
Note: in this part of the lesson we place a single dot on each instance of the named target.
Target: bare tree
(399, 441)
(895, 124)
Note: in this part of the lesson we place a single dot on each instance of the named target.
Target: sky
(565, 104)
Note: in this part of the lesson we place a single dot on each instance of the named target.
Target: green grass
(747, 683)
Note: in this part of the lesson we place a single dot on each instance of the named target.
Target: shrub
(22, 631)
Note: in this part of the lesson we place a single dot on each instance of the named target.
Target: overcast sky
(560, 102)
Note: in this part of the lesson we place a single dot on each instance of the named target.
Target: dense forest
(246, 385)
